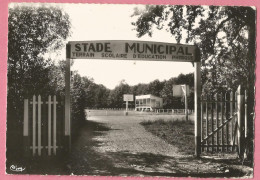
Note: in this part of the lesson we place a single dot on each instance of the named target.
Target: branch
(218, 28)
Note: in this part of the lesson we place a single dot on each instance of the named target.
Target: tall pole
(67, 101)
(186, 103)
(197, 115)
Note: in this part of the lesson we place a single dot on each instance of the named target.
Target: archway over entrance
(138, 51)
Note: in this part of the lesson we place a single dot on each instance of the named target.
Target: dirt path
(120, 146)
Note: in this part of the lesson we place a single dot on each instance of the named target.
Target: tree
(116, 95)
(155, 87)
(169, 101)
(32, 31)
(224, 35)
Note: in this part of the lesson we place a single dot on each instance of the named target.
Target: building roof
(146, 96)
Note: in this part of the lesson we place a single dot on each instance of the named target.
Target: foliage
(78, 101)
(225, 36)
(115, 98)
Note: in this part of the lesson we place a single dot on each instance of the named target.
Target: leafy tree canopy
(32, 31)
(225, 36)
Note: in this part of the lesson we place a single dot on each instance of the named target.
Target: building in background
(148, 102)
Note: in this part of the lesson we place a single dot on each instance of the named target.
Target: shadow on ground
(86, 159)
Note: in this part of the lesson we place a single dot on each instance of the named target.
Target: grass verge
(176, 132)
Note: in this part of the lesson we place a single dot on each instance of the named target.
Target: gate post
(67, 102)
(26, 140)
(240, 115)
(197, 108)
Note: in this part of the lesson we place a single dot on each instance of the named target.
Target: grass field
(176, 132)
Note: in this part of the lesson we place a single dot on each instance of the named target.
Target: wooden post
(231, 115)
(245, 114)
(26, 140)
(49, 125)
(54, 124)
(240, 114)
(197, 116)
(67, 101)
(39, 126)
(202, 118)
(186, 103)
(222, 121)
(34, 126)
(227, 125)
(217, 122)
(44, 129)
(236, 119)
(212, 122)
(207, 121)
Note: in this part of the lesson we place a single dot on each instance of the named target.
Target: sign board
(132, 50)
(128, 97)
(179, 90)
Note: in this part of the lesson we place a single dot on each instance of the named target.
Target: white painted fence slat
(39, 126)
(34, 125)
(49, 125)
(54, 125)
(26, 119)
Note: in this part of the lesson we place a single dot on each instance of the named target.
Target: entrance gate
(224, 122)
(135, 50)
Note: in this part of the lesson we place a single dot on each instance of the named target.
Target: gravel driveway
(120, 146)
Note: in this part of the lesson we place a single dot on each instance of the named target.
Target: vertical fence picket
(62, 122)
(231, 115)
(207, 122)
(201, 123)
(49, 125)
(217, 120)
(245, 114)
(240, 101)
(236, 119)
(227, 125)
(212, 121)
(34, 125)
(222, 120)
(39, 126)
(26, 118)
(26, 128)
(44, 129)
(39, 132)
(54, 124)
(30, 113)
(59, 119)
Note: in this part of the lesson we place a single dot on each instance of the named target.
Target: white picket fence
(132, 112)
(40, 117)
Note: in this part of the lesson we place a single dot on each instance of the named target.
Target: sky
(113, 22)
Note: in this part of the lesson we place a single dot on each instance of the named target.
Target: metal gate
(224, 121)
